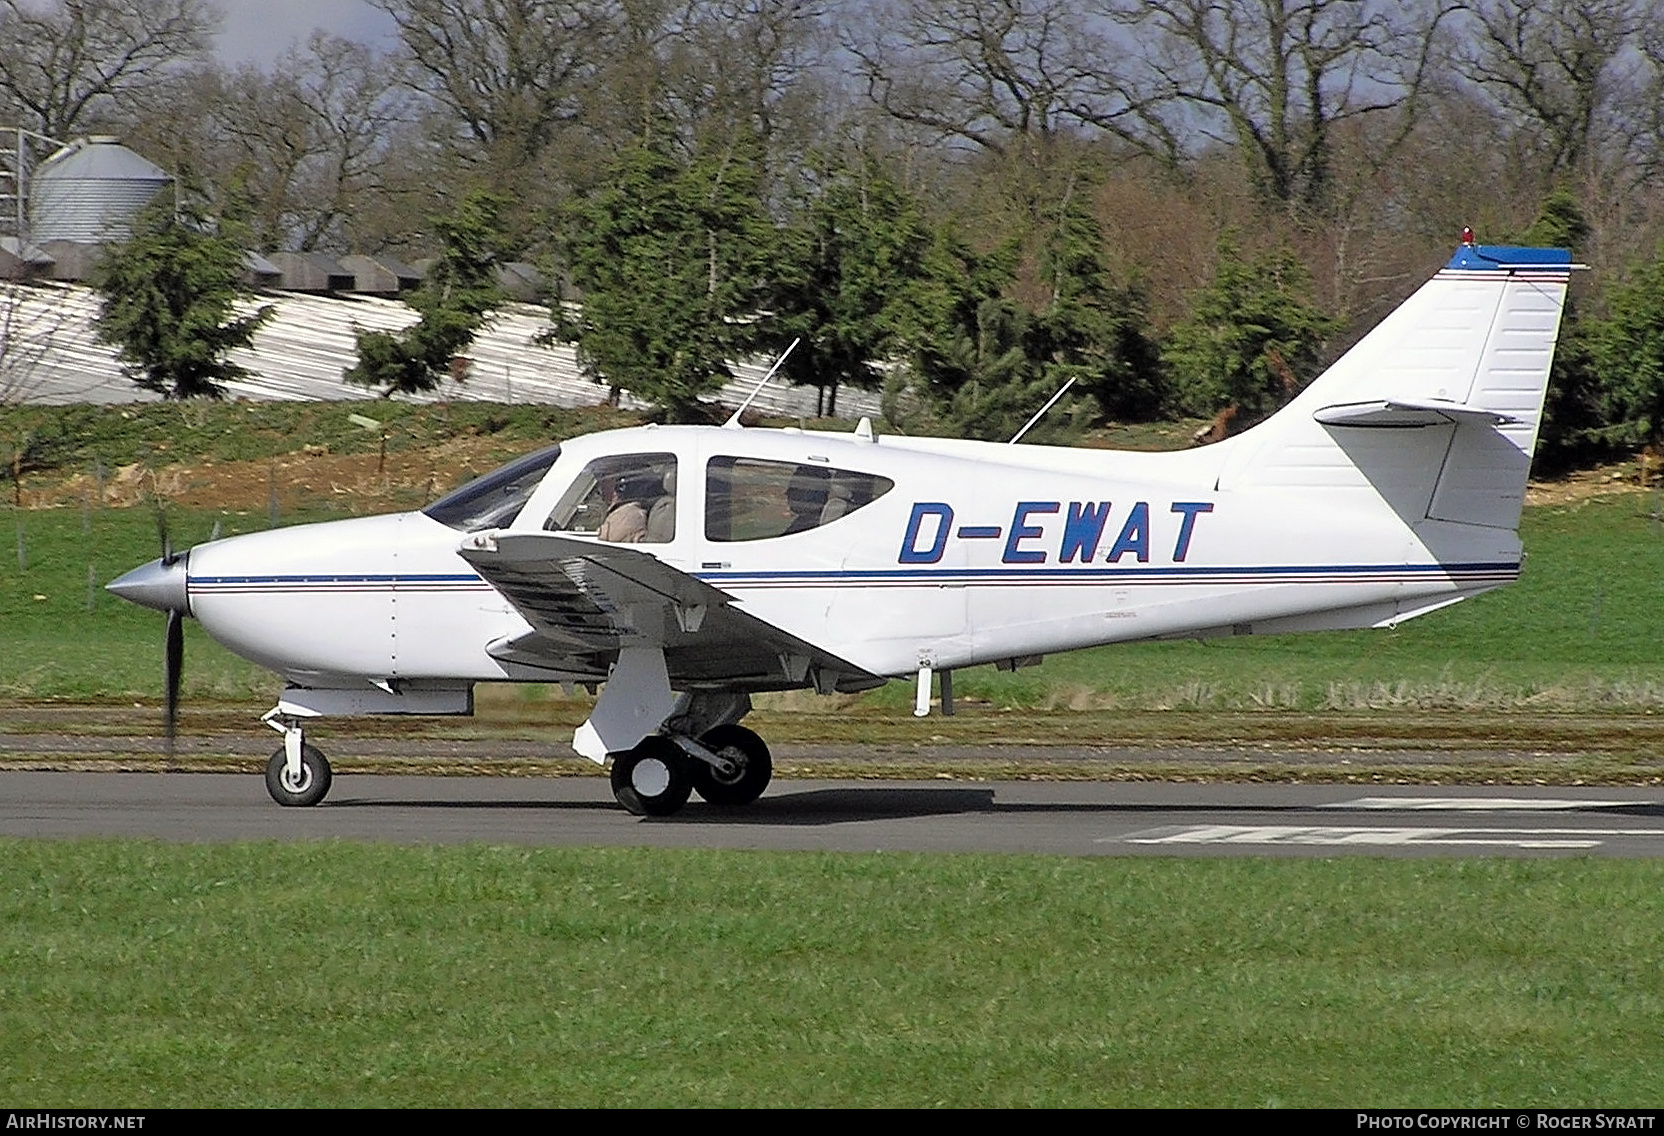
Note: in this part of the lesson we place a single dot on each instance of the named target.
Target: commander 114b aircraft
(686, 568)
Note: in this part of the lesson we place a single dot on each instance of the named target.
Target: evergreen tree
(996, 384)
(983, 363)
(844, 269)
(1094, 330)
(1253, 337)
(170, 302)
(968, 372)
(455, 299)
(1575, 408)
(1628, 348)
(670, 260)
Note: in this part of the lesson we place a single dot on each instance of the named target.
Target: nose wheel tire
(652, 779)
(306, 790)
(752, 767)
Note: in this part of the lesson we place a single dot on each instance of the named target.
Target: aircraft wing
(586, 599)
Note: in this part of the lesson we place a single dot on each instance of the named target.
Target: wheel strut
(294, 740)
(298, 773)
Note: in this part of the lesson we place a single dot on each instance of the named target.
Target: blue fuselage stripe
(925, 577)
(1178, 572)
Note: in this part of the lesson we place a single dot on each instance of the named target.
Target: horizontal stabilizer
(1400, 413)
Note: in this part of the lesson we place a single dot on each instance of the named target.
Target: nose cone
(159, 584)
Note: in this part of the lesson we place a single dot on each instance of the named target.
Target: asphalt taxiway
(1068, 818)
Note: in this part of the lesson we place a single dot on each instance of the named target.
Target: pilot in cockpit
(640, 507)
(626, 495)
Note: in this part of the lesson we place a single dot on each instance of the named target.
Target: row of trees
(1311, 99)
(1179, 203)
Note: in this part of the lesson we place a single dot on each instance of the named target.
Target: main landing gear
(726, 765)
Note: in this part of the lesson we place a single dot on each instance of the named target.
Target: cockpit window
(622, 498)
(751, 499)
(496, 499)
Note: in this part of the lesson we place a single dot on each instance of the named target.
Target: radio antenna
(1041, 413)
(733, 422)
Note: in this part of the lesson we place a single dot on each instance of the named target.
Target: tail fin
(1436, 409)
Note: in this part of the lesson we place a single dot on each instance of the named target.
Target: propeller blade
(162, 534)
(175, 660)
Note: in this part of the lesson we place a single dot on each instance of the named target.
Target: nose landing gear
(298, 775)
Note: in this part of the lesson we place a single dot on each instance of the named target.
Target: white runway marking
(1308, 835)
(1478, 804)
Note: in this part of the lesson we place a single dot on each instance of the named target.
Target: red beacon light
(1467, 235)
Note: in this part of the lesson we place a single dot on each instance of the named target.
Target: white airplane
(685, 568)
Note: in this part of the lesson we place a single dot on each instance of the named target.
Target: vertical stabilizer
(1436, 410)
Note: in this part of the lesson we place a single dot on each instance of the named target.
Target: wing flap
(585, 600)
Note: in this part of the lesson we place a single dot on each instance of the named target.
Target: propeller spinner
(161, 585)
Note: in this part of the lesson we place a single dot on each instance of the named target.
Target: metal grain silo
(90, 191)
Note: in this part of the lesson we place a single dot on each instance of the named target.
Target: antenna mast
(1041, 413)
(733, 422)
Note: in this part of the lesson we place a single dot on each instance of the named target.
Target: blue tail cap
(1505, 258)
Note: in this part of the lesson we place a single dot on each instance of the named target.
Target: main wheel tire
(651, 779)
(315, 778)
(752, 767)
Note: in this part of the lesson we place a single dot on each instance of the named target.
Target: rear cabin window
(625, 499)
(751, 499)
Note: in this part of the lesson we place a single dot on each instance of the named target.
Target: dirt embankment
(309, 475)
(403, 478)
(1625, 477)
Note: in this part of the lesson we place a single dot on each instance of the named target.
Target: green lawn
(136, 974)
(75, 438)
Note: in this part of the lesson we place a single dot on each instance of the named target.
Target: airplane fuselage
(975, 556)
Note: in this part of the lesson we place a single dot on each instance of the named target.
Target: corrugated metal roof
(303, 349)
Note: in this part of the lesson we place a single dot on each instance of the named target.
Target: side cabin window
(496, 499)
(752, 499)
(626, 499)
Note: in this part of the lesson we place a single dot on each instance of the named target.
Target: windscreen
(496, 499)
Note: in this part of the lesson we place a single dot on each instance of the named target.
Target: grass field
(138, 974)
(53, 439)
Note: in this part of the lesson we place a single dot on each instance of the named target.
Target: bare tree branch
(1562, 69)
(1276, 77)
(65, 65)
(306, 140)
(993, 72)
(508, 73)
